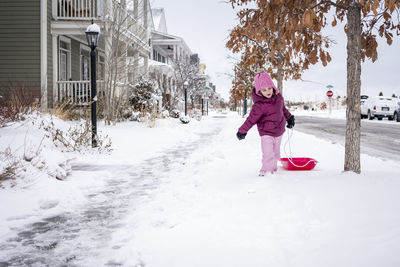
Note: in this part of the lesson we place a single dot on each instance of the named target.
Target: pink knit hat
(263, 80)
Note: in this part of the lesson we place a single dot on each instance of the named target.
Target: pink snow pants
(271, 153)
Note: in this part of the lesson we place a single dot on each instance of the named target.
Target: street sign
(329, 86)
(329, 93)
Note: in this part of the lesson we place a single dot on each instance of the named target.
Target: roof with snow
(159, 21)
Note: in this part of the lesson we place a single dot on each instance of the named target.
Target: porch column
(43, 54)
(145, 16)
(135, 66)
(136, 15)
(125, 73)
(54, 38)
(146, 65)
(107, 47)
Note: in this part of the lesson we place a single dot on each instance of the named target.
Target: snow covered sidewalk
(217, 212)
(189, 195)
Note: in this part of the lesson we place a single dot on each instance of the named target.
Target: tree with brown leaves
(259, 37)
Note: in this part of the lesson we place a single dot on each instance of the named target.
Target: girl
(270, 114)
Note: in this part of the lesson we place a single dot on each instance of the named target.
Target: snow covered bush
(76, 138)
(66, 110)
(194, 113)
(165, 113)
(127, 113)
(135, 116)
(175, 113)
(185, 119)
(143, 95)
(9, 165)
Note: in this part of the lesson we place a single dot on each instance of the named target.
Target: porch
(76, 92)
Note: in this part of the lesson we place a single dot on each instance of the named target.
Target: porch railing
(77, 9)
(76, 92)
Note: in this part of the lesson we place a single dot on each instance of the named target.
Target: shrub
(78, 138)
(175, 113)
(15, 102)
(165, 113)
(9, 165)
(143, 95)
(68, 111)
(184, 119)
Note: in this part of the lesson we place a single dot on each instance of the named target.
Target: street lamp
(207, 104)
(206, 95)
(185, 85)
(92, 35)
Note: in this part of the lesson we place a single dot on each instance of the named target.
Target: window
(85, 63)
(64, 65)
(100, 72)
(84, 67)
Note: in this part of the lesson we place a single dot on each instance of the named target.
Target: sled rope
(290, 133)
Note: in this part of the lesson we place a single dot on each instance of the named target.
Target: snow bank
(334, 114)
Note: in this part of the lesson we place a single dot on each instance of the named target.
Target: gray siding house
(43, 46)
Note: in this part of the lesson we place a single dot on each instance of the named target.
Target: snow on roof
(156, 63)
(159, 19)
(157, 12)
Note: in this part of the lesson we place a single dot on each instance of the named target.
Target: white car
(379, 107)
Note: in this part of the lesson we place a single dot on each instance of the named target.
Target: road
(378, 138)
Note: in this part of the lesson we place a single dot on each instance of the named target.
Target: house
(167, 50)
(43, 45)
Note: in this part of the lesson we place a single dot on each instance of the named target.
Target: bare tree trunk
(353, 113)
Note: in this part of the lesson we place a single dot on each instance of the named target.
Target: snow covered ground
(189, 195)
(333, 114)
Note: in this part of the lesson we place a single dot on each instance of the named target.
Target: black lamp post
(207, 104)
(92, 35)
(185, 85)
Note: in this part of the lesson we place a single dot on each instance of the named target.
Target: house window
(100, 72)
(64, 67)
(85, 63)
(85, 68)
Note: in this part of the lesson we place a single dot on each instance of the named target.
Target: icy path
(79, 238)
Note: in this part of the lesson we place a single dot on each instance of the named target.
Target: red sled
(298, 164)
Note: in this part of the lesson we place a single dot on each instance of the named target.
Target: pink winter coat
(270, 115)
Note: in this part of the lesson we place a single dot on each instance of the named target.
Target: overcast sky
(205, 26)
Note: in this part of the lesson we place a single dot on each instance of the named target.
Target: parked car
(396, 115)
(379, 107)
(363, 98)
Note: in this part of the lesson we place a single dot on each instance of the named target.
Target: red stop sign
(329, 93)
